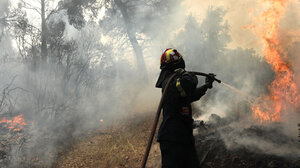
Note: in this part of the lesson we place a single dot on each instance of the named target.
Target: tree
(122, 10)
(6, 18)
(43, 32)
(123, 6)
(136, 23)
(75, 10)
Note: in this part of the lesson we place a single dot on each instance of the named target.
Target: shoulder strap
(179, 88)
(180, 73)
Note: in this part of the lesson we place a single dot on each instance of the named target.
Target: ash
(12, 144)
(16, 149)
(223, 144)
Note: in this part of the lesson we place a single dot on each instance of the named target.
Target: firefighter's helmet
(170, 55)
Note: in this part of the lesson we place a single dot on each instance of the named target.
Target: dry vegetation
(120, 145)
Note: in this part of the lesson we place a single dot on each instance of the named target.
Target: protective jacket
(177, 120)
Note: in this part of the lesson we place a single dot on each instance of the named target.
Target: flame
(101, 120)
(16, 123)
(283, 91)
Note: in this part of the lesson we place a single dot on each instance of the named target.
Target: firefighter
(175, 134)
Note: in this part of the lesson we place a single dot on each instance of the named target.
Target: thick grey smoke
(205, 45)
(91, 74)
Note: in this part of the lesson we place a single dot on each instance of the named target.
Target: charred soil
(123, 144)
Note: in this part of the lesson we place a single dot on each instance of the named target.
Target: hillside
(122, 145)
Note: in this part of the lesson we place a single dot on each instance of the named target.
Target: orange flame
(283, 90)
(17, 123)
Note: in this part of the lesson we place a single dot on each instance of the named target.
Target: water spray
(248, 98)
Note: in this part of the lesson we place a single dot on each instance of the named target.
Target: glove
(209, 80)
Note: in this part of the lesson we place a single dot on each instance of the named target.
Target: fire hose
(154, 126)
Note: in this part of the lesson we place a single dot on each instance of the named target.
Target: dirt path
(120, 146)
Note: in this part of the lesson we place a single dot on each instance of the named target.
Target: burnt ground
(213, 154)
(123, 145)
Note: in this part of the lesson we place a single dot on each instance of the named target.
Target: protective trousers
(178, 155)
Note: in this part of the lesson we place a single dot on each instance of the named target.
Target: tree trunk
(44, 33)
(132, 38)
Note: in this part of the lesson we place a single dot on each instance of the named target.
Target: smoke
(5, 45)
(207, 45)
(4, 4)
(238, 15)
(289, 35)
(60, 102)
(260, 139)
(70, 32)
(87, 80)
